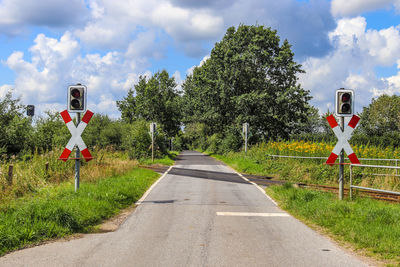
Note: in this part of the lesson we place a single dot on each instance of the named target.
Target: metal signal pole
(77, 155)
(341, 166)
(245, 141)
(152, 146)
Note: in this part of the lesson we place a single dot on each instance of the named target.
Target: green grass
(167, 160)
(57, 211)
(242, 164)
(367, 224)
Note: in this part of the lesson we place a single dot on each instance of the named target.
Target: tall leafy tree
(249, 77)
(154, 99)
(381, 116)
(15, 129)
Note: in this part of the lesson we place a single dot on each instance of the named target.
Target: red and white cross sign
(76, 138)
(343, 137)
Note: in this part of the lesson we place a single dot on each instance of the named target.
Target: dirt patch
(113, 224)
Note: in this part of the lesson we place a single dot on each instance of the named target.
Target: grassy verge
(31, 175)
(368, 224)
(56, 211)
(167, 160)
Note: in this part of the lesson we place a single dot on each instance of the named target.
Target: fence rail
(368, 188)
(366, 159)
(358, 165)
(302, 157)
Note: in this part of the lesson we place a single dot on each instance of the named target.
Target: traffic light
(77, 98)
(30, 110)
(344, 102)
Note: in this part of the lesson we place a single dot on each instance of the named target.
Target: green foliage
(154, 99)
(366, 223)
(50, 132)
(196, 135)
(104, 132)
(179, 142)
(167, 160)
(381, 116)
(15, 130)
(214, 143)
(58, 211)
(137, 140)
(249, 77)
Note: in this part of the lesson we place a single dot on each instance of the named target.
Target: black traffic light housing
(77, 95)
(30, 110)
(344, 102)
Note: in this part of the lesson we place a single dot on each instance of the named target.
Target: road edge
(152, 186)
(244, 178)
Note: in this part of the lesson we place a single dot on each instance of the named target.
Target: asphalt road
(200, 214)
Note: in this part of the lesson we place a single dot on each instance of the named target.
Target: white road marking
(251, 214)
(259, 187)
(152, 186)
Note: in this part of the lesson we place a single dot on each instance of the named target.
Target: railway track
(268, 181)
(371, 194)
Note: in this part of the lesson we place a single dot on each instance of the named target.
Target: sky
(47, 45)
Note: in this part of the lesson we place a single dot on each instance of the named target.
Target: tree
(104, 132)
(249, 77)
(15, 129)
(381, 116)
(154, 99)
(50, 131)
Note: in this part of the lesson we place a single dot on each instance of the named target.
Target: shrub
(137, 140)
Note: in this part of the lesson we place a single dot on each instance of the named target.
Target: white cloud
(178, 80)
(17, 14)
(356, 7)
(351, 65)
(184, 24)
(55, 64)
(4, 89)
(189, 71)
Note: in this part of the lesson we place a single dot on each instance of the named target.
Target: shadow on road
(212, 175)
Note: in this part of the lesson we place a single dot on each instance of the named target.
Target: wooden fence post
(47, 168)
(10, 174)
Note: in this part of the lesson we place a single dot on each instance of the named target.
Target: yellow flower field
(310, 149)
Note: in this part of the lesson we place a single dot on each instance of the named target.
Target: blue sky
(47, 45)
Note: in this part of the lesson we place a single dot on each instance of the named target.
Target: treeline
(20, 137)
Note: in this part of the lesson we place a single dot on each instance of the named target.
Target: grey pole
(341, 166)
(152, 145)
(77, 155)
(245, 139)
(351, 182)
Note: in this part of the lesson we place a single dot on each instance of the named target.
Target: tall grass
(30, 174)
(167, 160)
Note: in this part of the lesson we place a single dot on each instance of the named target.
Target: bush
(179, 143)
(137, 140)
(214, 143)
(233, 141)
